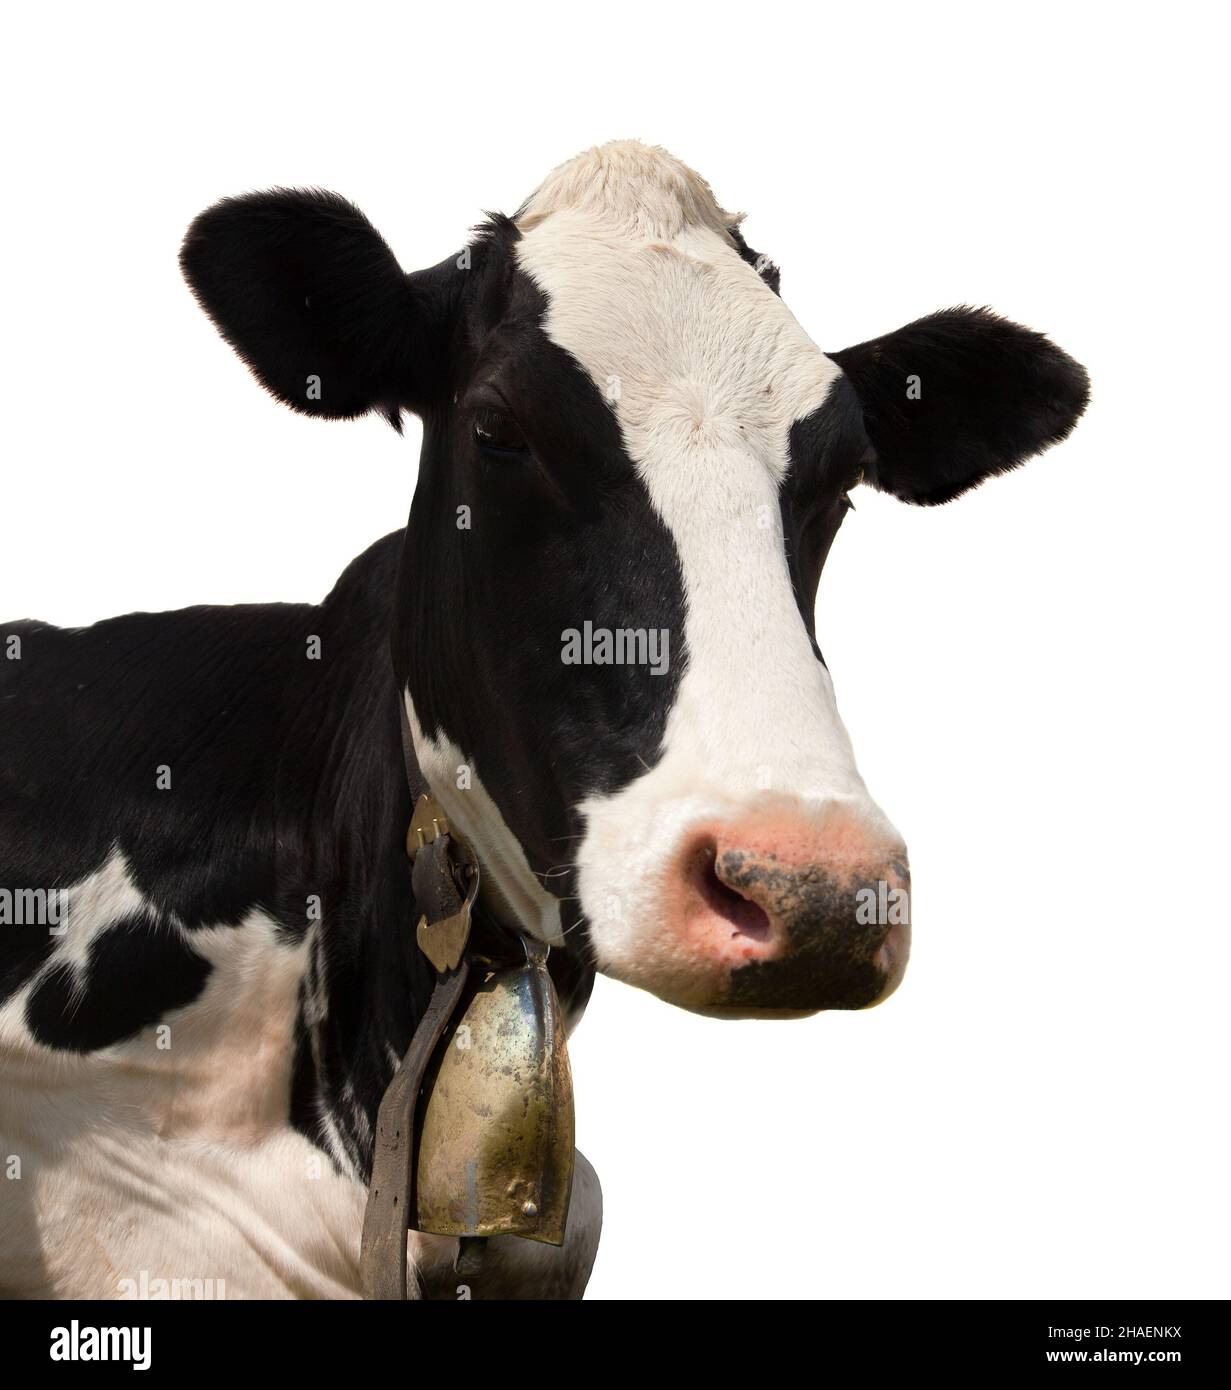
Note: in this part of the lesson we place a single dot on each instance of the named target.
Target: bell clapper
(468, 1262)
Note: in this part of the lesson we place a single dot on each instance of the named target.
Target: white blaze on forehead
(705, 370)
(639, 188)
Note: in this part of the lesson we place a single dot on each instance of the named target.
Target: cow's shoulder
(157, 768)
(170, 728)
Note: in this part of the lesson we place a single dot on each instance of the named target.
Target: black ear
(957, 397)
(304, 288)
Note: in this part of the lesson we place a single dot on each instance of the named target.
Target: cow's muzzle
(791, 916)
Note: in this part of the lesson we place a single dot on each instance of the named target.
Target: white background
(1034, 677)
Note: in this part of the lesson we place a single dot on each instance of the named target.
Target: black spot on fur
(136, 973)
(24, 949)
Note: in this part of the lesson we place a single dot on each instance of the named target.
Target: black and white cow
(630, 448)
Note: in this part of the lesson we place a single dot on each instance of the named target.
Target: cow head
(634, 464)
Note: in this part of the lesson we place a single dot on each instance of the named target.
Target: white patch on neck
(508, 883)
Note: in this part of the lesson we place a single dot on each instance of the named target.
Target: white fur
(706, 370)
(179, 1162)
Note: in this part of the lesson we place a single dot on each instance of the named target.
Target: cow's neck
(365, 983)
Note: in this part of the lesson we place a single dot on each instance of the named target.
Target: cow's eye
(847, 504)
(498, 433)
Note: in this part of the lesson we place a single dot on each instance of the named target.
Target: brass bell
(496, 1139)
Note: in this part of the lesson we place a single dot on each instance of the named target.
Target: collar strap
(524, 1145)
(445, 888)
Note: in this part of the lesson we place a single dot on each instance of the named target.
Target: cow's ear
(305, 289)
(958, 397)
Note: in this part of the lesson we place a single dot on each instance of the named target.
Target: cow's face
(635, 462)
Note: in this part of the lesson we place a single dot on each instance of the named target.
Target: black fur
(137, 971)
(764, 267)
(828, 449)
(302, 285)
(991, 394)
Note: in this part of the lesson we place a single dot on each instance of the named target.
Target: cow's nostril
(745, 917)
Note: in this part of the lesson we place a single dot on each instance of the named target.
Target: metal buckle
(444, 942)
(427, 823)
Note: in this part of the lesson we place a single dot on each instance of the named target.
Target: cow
(598, 627)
